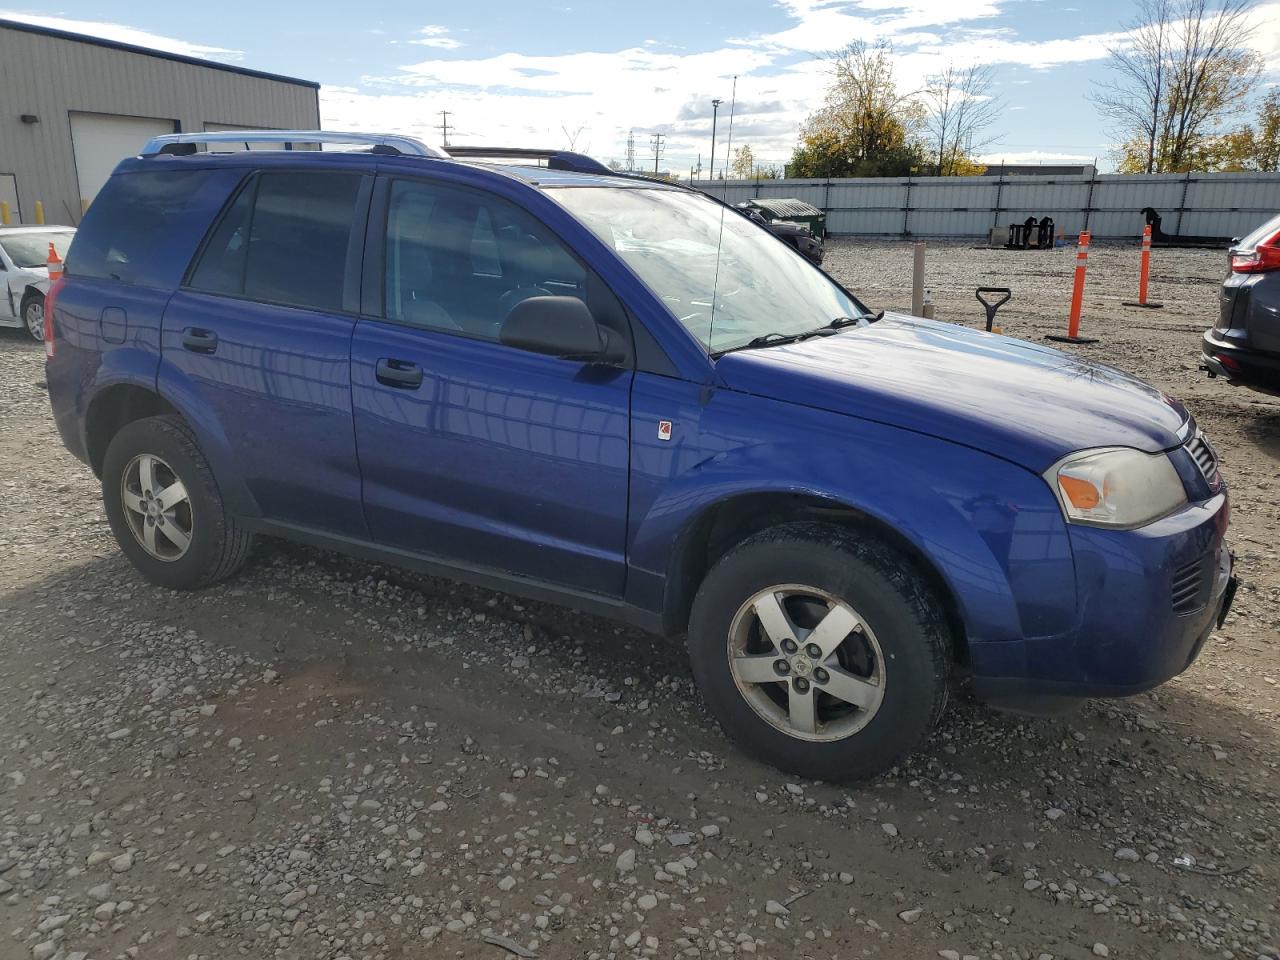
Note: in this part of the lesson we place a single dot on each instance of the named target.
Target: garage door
(101, 140)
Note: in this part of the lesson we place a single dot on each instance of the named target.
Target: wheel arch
(115, 407)
(727, 522)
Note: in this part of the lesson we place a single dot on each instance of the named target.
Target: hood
(1029, 404)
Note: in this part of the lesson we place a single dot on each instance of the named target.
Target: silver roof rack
(185, 143)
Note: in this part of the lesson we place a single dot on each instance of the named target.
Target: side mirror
(556, 326)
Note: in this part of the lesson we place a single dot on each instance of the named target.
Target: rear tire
(165, 509)
(820, 652)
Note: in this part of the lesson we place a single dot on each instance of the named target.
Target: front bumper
(1148, 601)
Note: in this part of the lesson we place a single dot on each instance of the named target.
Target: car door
(259, 337)
(471, 450)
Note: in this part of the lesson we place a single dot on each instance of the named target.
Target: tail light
(1264, 257)
(49, 299)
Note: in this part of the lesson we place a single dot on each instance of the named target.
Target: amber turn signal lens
(1082, 494)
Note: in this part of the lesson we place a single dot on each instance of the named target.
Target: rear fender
(177, 388)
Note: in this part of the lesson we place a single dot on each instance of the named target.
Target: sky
(585, 76)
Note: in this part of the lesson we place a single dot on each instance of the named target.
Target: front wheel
(165, 509)
(820, 652)
(33, 314)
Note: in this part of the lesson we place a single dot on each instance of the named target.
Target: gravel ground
(325, 758)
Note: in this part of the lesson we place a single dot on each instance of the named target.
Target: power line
(444, 127)
(631, 151)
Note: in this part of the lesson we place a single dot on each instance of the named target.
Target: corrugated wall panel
(51, 77)
(1227, 204)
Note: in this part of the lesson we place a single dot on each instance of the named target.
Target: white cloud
(434, 35)
(124, 34)
(1035, 157)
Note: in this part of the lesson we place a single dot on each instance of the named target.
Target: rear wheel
(33, 314)
(819, 652)
(165, 509)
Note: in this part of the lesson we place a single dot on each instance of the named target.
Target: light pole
(715, 109)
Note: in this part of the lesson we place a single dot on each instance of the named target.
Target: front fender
(991, 529)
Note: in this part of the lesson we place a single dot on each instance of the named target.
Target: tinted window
(130, 230)
(459, 260)
(284, 240)
(221, 266)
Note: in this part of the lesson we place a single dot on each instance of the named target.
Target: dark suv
(1244, 345)
(618, 395)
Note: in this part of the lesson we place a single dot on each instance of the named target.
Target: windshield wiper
(774, 339)
(839, 322)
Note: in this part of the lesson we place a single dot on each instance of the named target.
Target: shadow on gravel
(1263, 430)
(388, 635)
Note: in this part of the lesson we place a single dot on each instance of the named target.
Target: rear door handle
(399, 373)
(199, 341)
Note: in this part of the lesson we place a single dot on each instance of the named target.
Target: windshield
(28, 250)
(671, 238)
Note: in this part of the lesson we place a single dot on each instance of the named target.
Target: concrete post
(917, 282)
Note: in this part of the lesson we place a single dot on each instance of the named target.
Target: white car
(24, 273)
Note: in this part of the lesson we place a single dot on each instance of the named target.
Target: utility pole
(444, 126)
(715, 110)
(631, 151)
(656, 140)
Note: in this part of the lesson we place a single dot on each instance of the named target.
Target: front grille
(1190, 588)
(1204, 455)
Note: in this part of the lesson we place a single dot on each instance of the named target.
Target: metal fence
(1199, 204)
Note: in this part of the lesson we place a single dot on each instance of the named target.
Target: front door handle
(399, 373)
(199, 341)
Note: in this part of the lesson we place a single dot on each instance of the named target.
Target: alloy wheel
(33, 313)
(156, 507)
(806, 662)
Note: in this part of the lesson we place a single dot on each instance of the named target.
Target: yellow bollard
(39, 212)
(4, 212)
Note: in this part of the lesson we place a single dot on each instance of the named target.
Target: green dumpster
(796, 211)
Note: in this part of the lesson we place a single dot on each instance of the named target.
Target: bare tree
(958, 108)
(571, 136)
(1183, 68)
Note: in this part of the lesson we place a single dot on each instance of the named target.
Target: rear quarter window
(142, 228)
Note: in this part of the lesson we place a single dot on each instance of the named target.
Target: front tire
(165, 509)
(33, 314)
(820, 652)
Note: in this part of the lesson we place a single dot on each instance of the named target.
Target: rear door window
(133, 226)
(286, 238)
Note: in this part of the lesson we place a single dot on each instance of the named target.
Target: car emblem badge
(664, 429)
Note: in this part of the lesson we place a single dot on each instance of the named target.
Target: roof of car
(547, 177)
(532, 174)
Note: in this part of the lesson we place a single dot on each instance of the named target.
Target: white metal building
(71, 107)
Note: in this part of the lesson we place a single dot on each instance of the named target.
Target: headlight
(1116, 487)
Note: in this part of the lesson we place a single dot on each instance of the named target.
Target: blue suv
(618, 395)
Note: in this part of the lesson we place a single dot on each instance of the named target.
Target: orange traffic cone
(55, 264)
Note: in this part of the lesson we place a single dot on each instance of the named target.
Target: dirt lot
(329, 759)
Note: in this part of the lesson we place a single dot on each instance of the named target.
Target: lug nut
(814, 651)
(782, 667)
(802, 684)
(789, 646)
(820, 675)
